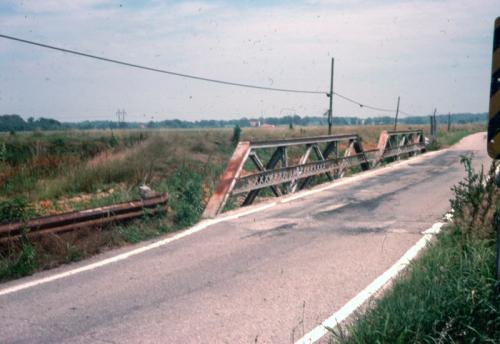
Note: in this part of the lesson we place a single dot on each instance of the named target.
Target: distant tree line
(13, 123)
(17, 123)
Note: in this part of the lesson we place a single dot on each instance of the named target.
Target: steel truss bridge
(330, 156)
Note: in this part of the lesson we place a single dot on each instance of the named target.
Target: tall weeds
(475, 201)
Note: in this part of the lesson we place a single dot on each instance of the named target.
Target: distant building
(255, 123)
(264, 125)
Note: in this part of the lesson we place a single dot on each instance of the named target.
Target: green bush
(474, 201)
(113, 142)
(16, 209)
(3, 152)
(469, 190)
(433, 145)
(185, 196)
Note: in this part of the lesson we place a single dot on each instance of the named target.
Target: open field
(60, 171)
(45, 173)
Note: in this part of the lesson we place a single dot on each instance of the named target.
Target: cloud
(57, 6)
(433, 54)
(193, 8)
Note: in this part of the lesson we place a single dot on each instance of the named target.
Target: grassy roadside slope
(448, 294)
(449, 138)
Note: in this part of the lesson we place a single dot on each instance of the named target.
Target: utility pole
(449, 121)
(330, 114)
(396, 119)
(121, 117)
(432, 127)
(118, 115)
(435, 123)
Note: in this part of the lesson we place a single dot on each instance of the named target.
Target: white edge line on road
(198, 227)
(206, 223)
(353, 304)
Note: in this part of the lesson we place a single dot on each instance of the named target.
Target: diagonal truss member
(283, 175)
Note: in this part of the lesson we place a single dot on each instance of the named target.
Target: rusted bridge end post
(358, 150)
(219, 198)
(382, 144)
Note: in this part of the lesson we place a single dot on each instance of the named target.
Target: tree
(12, 123)
(236, 135)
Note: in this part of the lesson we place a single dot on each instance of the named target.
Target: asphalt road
(267, 277)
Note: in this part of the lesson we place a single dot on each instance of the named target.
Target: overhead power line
(370, 106)
(361, 104)
(128, 64)
(196, 77)
(406, 113)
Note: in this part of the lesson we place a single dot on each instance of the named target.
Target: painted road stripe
(207, 223)
(343, 313)
(200, 226)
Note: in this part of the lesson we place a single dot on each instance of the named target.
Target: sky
(433, 54)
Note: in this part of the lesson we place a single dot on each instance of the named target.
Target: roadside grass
(138, 231)
(24, 257)
(448, 295)
(60, 172)
(23, 263)
(29, 158)
(447, 138)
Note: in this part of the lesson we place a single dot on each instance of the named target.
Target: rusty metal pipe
(77, 217)
(80, 225)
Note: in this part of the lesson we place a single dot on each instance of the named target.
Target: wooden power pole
(330, 114)
(396, 119)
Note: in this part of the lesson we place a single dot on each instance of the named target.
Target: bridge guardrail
(285, 176)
